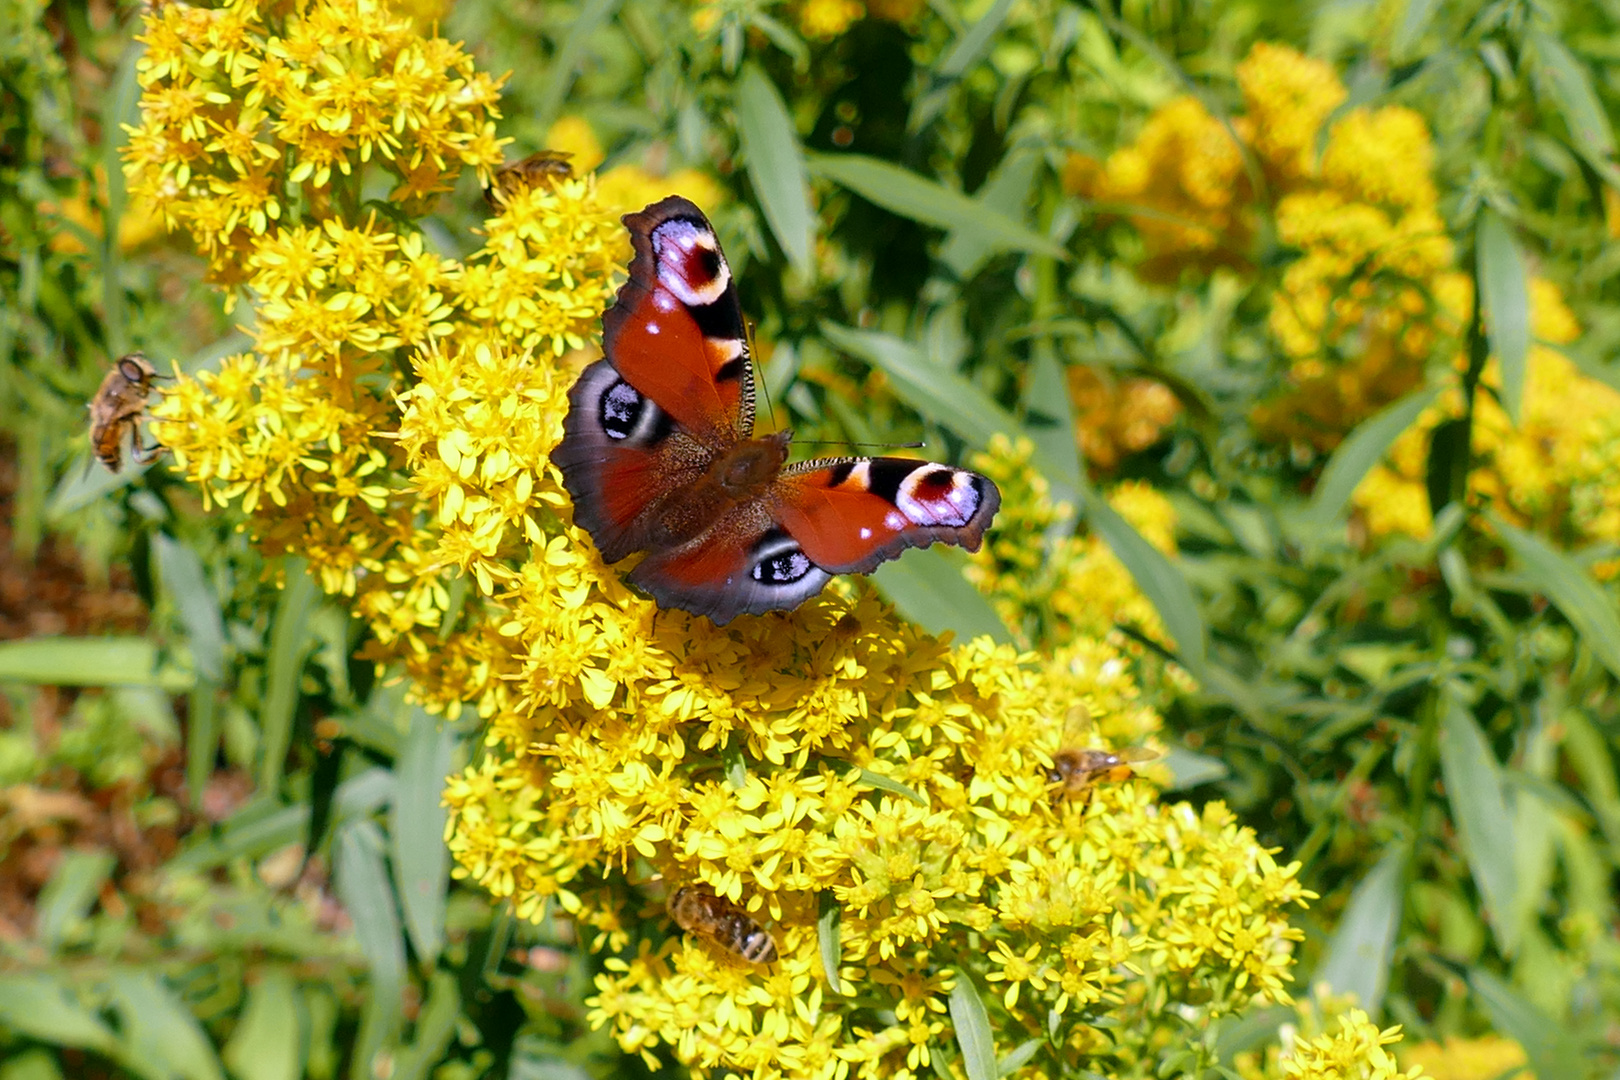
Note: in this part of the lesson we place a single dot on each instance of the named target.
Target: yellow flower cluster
(865, 791)
(1115, 417)
(1054, 594)
(1553, 471)
(1355, 316)
(1483, 1058)
(1355, 1051)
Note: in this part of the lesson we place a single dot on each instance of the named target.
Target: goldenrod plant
(1281, 331)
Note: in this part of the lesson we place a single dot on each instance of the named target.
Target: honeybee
(542, 167)
(118, 408)
(1075, 770)
(699, 911)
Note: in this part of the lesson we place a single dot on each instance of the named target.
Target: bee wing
(1076, 726)
(1137, 754)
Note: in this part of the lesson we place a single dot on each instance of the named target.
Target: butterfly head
(747, 468)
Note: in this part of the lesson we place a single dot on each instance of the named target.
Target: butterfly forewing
(676, 330)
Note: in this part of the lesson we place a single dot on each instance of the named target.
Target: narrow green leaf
(88, 661)
(1552, 1050)
(266, 1042)
(1189, 769)
(290, 642)
(1158, 578)
(69, 894)
(186, 582)
(973, 1033)
(903, 192)
(1571, 589)
(1019, 1056)
(1414, 22)
(1049, 416)
(363, 887)
(42, 1008)
(435, 1027)
(1004, 193)
(1504, 291)
(1364, 448)
(202, 739)
(893, 787)
(776, 166)
(160, 1036)
(942, 396)
(927, 587)
(35, 1064)
(421, 859)
(1565, 79)
(1484, 820)
(974, 44)
(1359, 956)
(828, 920)
(1535, 829)
(565, 64)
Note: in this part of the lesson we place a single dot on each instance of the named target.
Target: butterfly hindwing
(676, 330)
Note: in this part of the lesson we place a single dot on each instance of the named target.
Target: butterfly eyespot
(939, 497)
(621, 410)
(783, 569)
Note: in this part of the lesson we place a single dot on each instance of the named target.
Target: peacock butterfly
(659, 454)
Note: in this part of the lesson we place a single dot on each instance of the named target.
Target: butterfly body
(659, 451)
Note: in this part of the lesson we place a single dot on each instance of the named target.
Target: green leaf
(290, 642)
(42, 1008)
(565, 64)
(975, 42)
(1479, 807)
(1552, 1051)
(776, 166)
(1364, 448)
(1413, 23)
(161, 1039)
(88, 661)
(927, 587)
(1571, 589)
(1359, 956)
(827, 930)
(187, 585)
(939, 394)
(435, 1027)
(1189, 769)
(1050, 423)
(1158, 578)
(421, 859)
(973, 1033)
(1019, 1056)
(1565, 79)
(916, 198)
(68, 896)
(265, 1044)
(1004, 193)
(363, 888)
(893, 787)
(1504, 291)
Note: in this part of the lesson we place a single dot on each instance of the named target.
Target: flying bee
(544, 167)
(699, 911)
(118, 409)
(1075, 770)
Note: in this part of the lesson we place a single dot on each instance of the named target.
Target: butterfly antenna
(867, 445)
(759, 372)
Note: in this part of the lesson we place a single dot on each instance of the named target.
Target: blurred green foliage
(230, 836)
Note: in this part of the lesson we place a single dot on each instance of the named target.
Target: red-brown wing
(676, 332)
(850, 515)
(620, 456)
